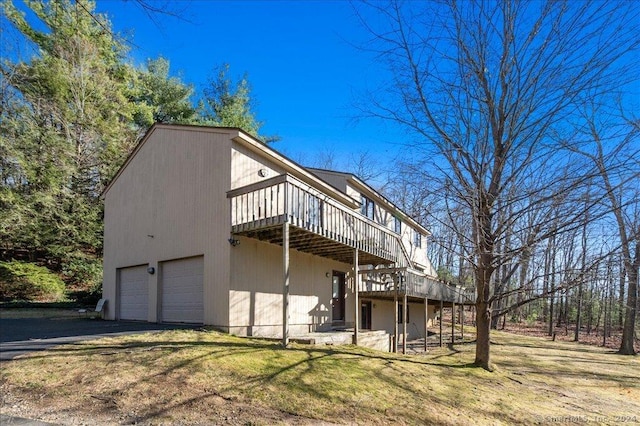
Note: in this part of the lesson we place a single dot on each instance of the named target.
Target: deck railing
(285, 198)
(415, 284)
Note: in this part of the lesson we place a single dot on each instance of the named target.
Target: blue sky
(301, 59)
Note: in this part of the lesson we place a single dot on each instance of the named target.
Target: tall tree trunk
(499, 302)
(576, 336)
(545, 281)
(621, 299)
(560, 309)
(484, 272)
(583, 270)
(628, 331)
(552, 298)
(483, 330)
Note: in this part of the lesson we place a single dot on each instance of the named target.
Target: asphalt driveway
(25, 335)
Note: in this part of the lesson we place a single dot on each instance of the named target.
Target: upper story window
(397, 225)
(367, 207)
(417, 239)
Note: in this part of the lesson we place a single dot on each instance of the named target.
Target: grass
(205, 377)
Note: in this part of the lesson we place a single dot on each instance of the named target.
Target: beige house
(209, 225)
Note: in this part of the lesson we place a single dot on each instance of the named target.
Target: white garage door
(134, 293)
(182, 297)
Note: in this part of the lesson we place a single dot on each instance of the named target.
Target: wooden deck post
(462, 321)
(426, 321)
(453, 322)
(356, 290)
(441, 309)
(404, 321)
(285, 288)
(395, 317)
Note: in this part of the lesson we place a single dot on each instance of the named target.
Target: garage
(181, 288)
(133, 294)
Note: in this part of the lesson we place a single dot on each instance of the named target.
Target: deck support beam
(453, 322)
(405, 311)
(285, 288)
(441, 315)
(395, 315)
(356, 290)
(426, 321)
(462, 322)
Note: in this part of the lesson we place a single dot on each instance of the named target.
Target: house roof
(245, 139)
(365, 188)
(306, 174)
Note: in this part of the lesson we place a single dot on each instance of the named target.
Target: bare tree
(484, 86)
(614, 149)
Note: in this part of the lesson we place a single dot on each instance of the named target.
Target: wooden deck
(415, 285)
(322, 226)
(318, 224)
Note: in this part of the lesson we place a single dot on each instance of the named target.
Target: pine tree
(161, 98)
(66, 127)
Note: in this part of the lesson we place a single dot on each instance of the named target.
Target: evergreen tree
(229, 104)
(160, 97)
(66, 127)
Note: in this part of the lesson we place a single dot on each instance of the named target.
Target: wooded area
(72, 107)
(525, 153)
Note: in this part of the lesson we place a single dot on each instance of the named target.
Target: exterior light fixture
(151, 270)
(263, 172)
(233, 241)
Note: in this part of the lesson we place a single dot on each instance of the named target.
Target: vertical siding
(245, 167)
(169, 203)
(256, 290)
(352, 192)
(383, 314)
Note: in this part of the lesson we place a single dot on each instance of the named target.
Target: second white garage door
(181, 287)
(133, 293)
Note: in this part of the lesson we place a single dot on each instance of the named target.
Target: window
(417, 239)
(367, 207)
(397, 225)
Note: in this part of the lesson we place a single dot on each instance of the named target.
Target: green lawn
(207, 377)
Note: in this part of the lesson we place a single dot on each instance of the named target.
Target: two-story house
(209, 225)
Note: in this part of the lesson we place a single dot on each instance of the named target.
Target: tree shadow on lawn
(313, 355)
(226, 348)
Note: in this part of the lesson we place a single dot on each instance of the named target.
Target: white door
(182, 295)
(133, 293)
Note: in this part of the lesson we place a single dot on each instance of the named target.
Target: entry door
(337, 297)
(365, 315)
